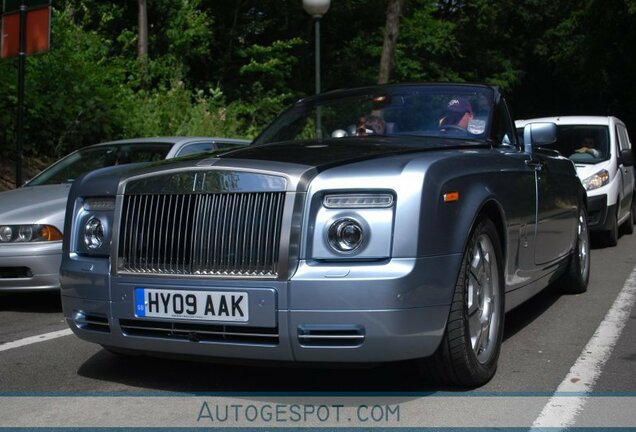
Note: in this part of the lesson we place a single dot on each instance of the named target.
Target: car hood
(300, 162)
(34, 205)
(327, 153)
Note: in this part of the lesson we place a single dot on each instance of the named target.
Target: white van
(601, 150)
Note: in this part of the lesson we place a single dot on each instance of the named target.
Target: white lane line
(35, 339)
(561, 411)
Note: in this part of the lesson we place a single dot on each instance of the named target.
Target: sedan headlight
(597, 180)
(29, 233)
(352, 225)
(94, 226)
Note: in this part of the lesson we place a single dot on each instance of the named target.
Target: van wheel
(628, 225)
(468, 353)
(611, 236)
(577, 275)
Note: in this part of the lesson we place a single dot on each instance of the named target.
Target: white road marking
(35, 339)
(561, 410)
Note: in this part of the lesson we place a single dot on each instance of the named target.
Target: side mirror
(538, 134)
(627, 158)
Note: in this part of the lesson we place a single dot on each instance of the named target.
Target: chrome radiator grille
(201, 234)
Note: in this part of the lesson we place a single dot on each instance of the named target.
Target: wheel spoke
(473, 288)
(474, 325)
(486, 265)
(475, 279)
(482, 340)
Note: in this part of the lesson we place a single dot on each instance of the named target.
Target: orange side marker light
(451, 196)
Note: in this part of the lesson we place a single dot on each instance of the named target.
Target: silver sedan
(32, 216)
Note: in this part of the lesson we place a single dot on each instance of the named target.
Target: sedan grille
(201, 234)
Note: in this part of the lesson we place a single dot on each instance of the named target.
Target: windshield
(66, 170)
(461, 112)
(583, 144)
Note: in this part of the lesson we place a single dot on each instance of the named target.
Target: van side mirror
(627, 157)
(538, 134)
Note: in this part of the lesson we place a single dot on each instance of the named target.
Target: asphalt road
(543, 339)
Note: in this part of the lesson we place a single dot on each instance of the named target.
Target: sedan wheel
(577, 274)
(470, 347)
(482, 296)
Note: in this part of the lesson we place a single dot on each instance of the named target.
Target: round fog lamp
(93, 233)
(345, 235)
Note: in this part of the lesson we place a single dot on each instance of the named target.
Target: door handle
(534, 164)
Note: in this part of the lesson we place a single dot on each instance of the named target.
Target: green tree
(69, 98)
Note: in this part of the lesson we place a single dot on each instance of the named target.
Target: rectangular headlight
(344, 201)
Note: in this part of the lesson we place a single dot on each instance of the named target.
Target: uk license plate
(192, 305)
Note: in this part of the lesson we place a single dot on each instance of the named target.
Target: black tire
(611, 235)
(577, 274)
(634, 209)
(464, 358)
(628, 225)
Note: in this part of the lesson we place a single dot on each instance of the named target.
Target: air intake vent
(195, 332)
(15, 273)
(93, 322)
(235, 234)
(332, 335)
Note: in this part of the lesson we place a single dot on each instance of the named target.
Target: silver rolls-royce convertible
(367, 225)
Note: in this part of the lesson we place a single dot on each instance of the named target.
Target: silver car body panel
(41, 260)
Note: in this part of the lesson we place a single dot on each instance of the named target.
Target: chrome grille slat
(186, 331)
(164, 229)
(195, 227)
(174, 226)
(237, 234)
(98, 323)
(201, 234)
(135, 238)
(200, 331)
(156, 234)
(260, 231)
(245, 231)
(331, 337)
(185, 258)
(208, 245)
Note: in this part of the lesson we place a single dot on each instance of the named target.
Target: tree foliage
(227, 67)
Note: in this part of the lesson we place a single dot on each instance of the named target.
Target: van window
(623, 140)
(583, 144)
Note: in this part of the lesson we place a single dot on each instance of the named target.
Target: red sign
(38, 32)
